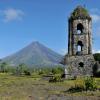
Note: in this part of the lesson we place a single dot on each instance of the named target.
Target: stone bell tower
(80, 57)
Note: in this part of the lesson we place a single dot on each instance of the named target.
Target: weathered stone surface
(80, 65)
(80, 57)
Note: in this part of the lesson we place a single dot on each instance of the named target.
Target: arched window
(79, 28)
(79, 48)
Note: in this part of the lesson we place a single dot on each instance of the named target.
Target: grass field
(35, 88)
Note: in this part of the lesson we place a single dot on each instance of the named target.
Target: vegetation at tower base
(86, 84)
(96, 67)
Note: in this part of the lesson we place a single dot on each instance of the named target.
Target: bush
(97, 56)
(41, 72)
(56, 79)
(96, 71)
(28, 73)
(77, 88)
(90, 84)
(83, 85)
(57, 70)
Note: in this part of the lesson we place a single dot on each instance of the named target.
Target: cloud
(95, 17)
(96, 51)
(95, 13)
(12, 14)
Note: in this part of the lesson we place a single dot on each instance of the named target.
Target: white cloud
(96, 51)
(12, 14)
(95, 13)
(95, 17)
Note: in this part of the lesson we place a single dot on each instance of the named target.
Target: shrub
(57, 70)
(3, 66)
(90, 84)
(28, 73)
(56, 79)
(41, 72)
(96, 71)
(97, 56)
(83, 85)
(77, 88)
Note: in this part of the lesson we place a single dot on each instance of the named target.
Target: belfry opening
(80, 28)
(79, 48)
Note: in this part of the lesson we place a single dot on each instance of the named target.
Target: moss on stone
(80, 12)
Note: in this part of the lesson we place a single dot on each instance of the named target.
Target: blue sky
(25, 21)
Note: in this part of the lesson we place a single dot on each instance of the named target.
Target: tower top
(80, 12)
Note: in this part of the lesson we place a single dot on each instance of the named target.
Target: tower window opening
(79, 48)
(79, 28)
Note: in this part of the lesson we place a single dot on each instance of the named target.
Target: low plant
(76, 88)
(28, 73)
(56, 79)
(90, 83)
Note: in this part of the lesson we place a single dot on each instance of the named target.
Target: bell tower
(80, 37)
(79, 55)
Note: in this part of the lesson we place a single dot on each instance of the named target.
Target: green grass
(35, 88)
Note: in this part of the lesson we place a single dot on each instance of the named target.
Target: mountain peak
(35, 43)
(35, 54)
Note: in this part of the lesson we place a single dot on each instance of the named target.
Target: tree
(97, 56)
(3, 67)
(21, 68)
(57, 70)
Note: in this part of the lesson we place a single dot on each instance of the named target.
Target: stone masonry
(80, 57)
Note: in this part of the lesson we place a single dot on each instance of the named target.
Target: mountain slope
(34, 54)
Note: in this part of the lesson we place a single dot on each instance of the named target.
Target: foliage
(76, 89)
(84, 84)
(41, 72)
(3, 67)
(96, 70)
(56, 79)
(80, 11)
(97, 56)
(27, 72)
(21, 69)
(57, 70)
(20, 88)
(90, 83)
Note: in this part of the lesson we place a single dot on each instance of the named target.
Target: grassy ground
(35, 88)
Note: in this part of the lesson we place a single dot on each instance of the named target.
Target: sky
(46, 21)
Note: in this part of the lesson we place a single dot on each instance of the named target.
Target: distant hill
(35, 54)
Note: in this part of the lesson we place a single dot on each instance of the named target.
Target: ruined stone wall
(74, 63)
